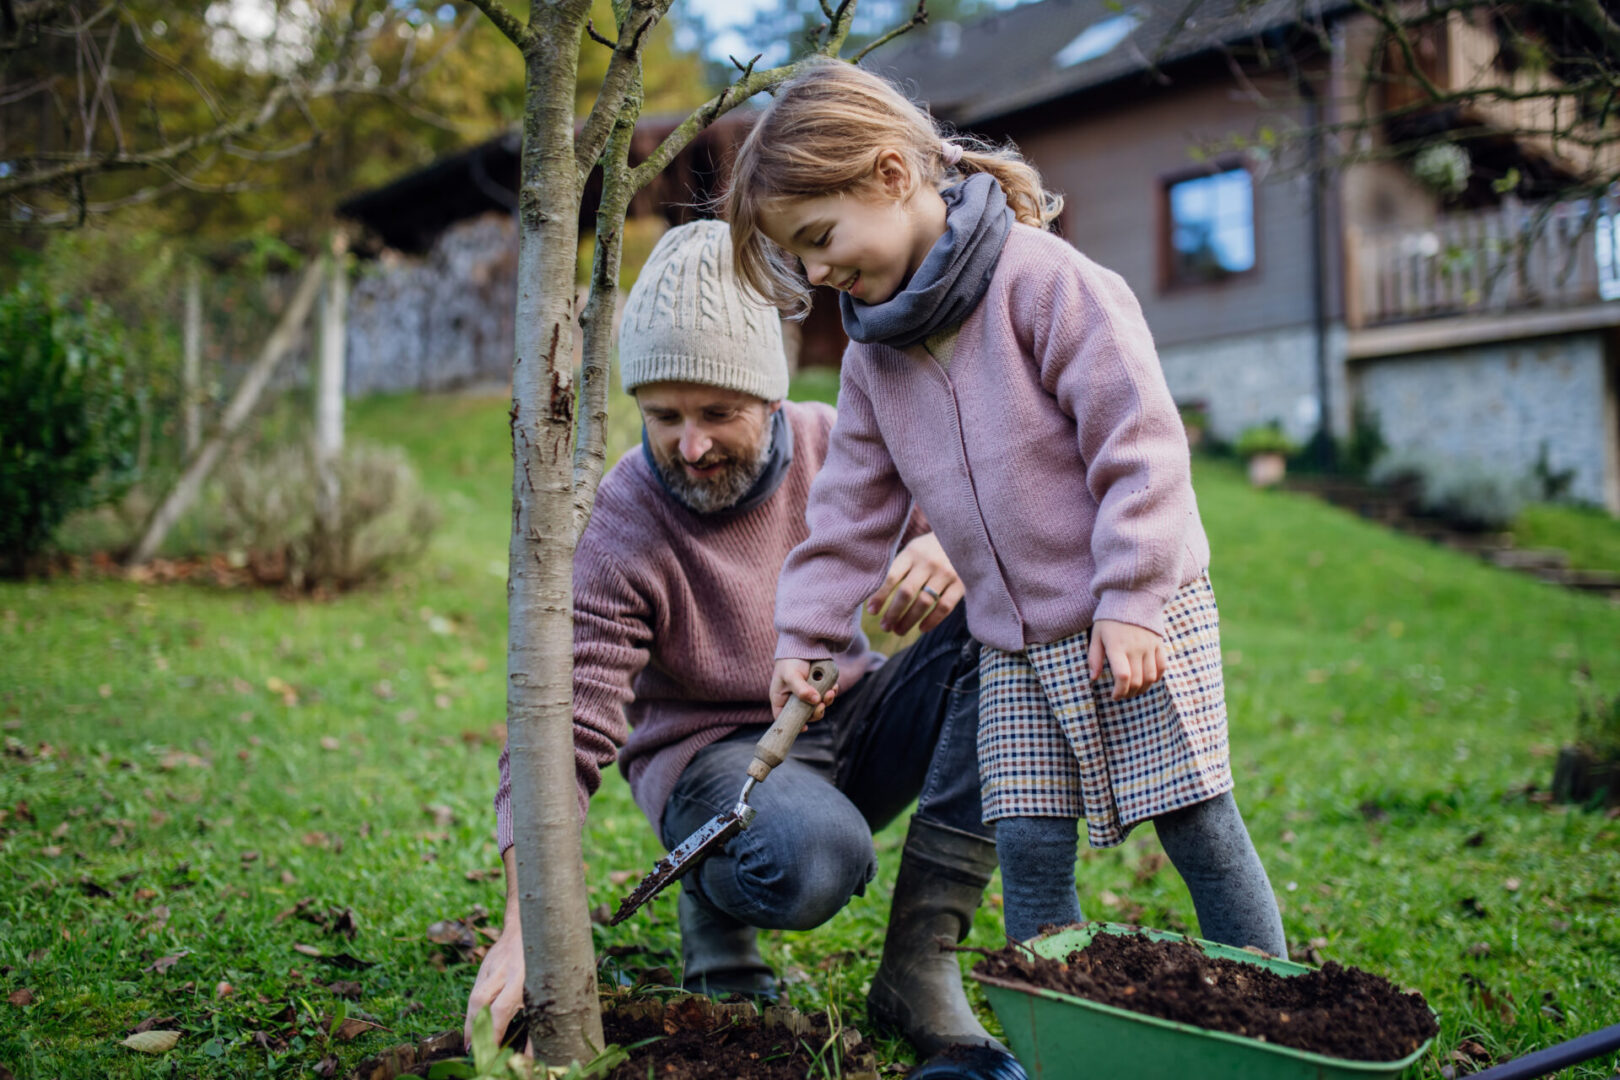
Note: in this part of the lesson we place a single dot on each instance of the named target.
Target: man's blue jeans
(908, 730)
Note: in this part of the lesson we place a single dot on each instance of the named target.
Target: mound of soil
(1338, 1011)
(699, 1040)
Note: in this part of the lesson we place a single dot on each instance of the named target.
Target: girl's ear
(891, 175)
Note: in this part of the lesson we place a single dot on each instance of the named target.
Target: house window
(1211, 227)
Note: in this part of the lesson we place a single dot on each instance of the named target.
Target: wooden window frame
(1168, 281)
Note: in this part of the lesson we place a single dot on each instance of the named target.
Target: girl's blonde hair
(822, 136)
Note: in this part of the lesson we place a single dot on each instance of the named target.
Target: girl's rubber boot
(917, 990)
(720, 955)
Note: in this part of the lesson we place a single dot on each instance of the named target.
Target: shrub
(1598, 728)
(1466, 494)
(1265, 439)
(383, 519)
(68, 424)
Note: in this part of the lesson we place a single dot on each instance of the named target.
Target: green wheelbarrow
(1058, 1036)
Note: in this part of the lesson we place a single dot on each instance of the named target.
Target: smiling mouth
(849, 284)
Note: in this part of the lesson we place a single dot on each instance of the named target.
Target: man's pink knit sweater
(672, 623)
(1049, 458)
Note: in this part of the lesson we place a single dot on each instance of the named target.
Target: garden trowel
(769, 752)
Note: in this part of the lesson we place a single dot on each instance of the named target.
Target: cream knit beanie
(688, 319)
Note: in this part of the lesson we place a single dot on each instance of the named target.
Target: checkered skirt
(1054, 744)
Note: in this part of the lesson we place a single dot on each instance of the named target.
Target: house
(1307, 280)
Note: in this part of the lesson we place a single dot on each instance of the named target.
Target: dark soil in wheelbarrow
(1338, 1011)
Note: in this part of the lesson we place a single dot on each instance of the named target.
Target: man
(674, 587)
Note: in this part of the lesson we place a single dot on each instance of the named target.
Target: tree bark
(199, 465)
(559, 964)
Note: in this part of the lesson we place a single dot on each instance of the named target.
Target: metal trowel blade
(687, 854)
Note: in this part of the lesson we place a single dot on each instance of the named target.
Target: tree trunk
(559, 964)
(200, 464)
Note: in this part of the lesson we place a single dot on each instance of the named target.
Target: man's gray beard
(720, 492)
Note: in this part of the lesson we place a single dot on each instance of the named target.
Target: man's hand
(792, 679)
(923, 586)
(500, 977)
(1136, 656)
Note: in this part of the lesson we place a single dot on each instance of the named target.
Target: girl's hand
(1136, 656)
(923, 585)
(792, 679)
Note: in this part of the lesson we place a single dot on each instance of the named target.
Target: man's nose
(695, 442)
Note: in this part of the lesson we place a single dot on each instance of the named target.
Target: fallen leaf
(1512, 884)
(328, 742)
(353, 1027)
(328, 1066)
(21, 997)
(349, 990)
(619, 877)
(342, 960)
(224, 990)
(442, 815)
(164, 963)
(152, 1042)
(495, 874)
(452, 932)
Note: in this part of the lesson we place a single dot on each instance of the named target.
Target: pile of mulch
(1337, 1011)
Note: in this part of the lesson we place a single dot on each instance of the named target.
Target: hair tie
(951, 152)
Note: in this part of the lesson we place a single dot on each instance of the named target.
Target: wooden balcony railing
(1516, 257)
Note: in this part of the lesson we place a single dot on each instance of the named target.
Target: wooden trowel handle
(774, 745)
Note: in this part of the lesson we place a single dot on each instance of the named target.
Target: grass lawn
(184, 765)
(1591, 536)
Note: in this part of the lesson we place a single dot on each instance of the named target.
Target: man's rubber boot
(918, 986)
(719, 955)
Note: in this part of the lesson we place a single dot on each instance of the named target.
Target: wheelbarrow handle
(1555, 1058)
(772, 748)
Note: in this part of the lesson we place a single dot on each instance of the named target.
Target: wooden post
(329, 402)
(199, 465)
(1354, 316)
(191, 361)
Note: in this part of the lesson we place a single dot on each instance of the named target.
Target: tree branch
(622, 70)
(918, 18)
(89, 164)
(590, 456)
(751, 82)
(1592, 15)
(507, 23)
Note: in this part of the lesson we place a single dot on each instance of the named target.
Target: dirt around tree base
(1338, 1011)
(697, 1039)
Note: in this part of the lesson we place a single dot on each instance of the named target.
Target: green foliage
(1265, 439)
(1598, 727)
(68, 426)
(1366, 442)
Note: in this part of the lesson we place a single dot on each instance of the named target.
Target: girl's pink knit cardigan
(1049, 459)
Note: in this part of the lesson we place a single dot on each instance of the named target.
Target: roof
(412, 210)
(1038, 52)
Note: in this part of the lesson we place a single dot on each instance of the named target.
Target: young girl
(1010, 386)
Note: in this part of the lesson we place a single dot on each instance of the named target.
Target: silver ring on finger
(930, 592)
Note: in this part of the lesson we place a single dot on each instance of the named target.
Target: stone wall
(1498, 403)
(1251, 379)
(439, 322)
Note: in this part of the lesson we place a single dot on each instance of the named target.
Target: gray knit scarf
(951, 280)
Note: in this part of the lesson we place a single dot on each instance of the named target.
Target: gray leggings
(1207, 843)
